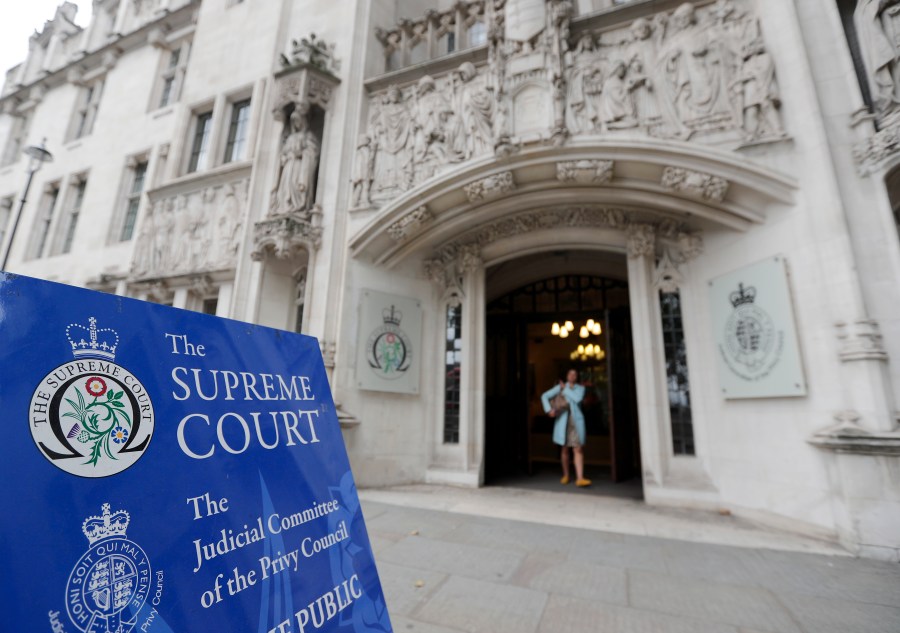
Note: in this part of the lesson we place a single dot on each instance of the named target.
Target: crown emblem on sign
(392, 316)
(108, 524)
(742, 295)
(90, 341)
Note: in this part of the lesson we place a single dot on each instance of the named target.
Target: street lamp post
(37, 156)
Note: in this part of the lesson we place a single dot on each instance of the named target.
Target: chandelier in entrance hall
(590, 328)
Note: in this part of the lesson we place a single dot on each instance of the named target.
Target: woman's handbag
(559, 404)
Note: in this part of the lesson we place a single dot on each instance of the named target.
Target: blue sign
(168, 472)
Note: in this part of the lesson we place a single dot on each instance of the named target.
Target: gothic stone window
(172, 75)
(238, 127)
(679, 387)
(135, 177)
(6, 205)
(43, 221)
(17, 135)
(69, 220)
(452, 367)
(202, 130)
(87, 103)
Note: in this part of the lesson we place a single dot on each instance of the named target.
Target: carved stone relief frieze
(585, 172)
(195, 231)
(490, 187)
(701, 74)
(695, 183)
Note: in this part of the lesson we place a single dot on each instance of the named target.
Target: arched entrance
(525, 297)
(645, 205)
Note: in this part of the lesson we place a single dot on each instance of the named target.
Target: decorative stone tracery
(643, 236)
(410, 223)
(585, 172)
(491, 187)
(695, 183)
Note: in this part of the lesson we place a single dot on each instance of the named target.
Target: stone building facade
(433, 188)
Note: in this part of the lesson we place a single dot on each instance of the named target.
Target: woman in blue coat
(568, 431)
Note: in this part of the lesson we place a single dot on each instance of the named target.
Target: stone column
(181, 297)
(649, 357)
(223, 302)
(472, 372)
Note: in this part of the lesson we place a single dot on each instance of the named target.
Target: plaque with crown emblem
(390, 331)
(756, 339)
(181, 472)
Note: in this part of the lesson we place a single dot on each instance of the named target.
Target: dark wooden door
(506, 413)
(623, 416)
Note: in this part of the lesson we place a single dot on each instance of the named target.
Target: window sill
(229, 172)
(165, 110)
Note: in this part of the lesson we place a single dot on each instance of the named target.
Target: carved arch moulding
(700, 74)
(698, 187)
(641, 234)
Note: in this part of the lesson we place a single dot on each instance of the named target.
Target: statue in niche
(392, 128)
(880, 55)
(692, 66)
(432, 113)
(473, 131)
(617, 110)
(760, 93)
(296, 173)
(363, 171)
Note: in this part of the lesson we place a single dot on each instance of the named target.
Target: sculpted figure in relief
(880, 54)
(473, 131)
(299, 159)
(642, 59)
(392, 129)
(617, 103)
(432, 113)
(582, 86)
(363, 172)
(760, 93)
(693, 68)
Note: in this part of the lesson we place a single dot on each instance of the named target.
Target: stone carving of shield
(525, 19)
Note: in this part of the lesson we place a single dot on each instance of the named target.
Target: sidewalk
(498, 560)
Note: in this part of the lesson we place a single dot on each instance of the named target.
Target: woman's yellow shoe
(581, 483)
(564, 480)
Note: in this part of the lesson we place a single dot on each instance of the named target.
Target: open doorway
(525, 358)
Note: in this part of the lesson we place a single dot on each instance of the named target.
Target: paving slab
(484, 607)
(716, 602)
(471, 561)
(565, 614)
(818, 615)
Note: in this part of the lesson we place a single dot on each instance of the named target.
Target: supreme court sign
(167, 471)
